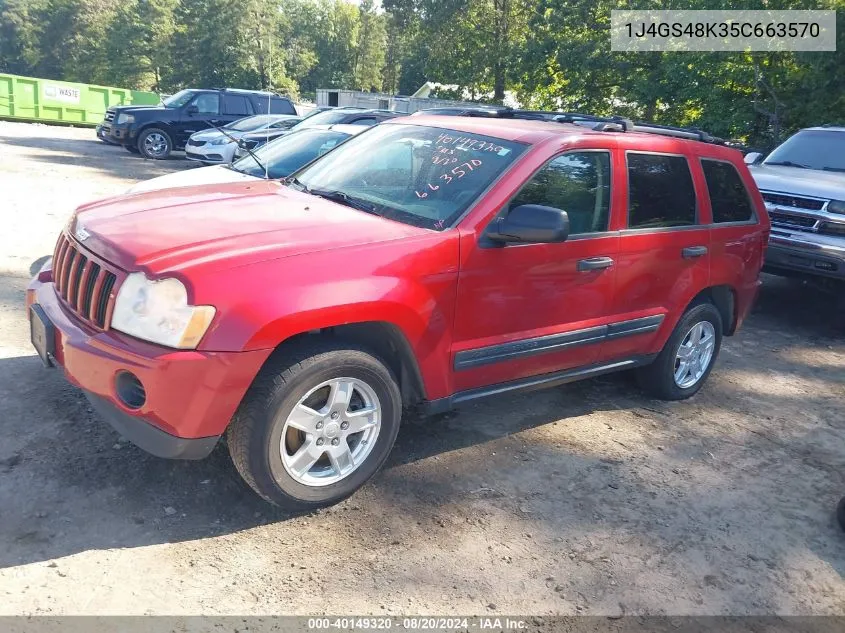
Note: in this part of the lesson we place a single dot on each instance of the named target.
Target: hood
(190, 177)
(225, 225)
(131, 108)
(801, 182)
(210, 135)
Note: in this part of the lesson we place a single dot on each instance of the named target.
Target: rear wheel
(316, 424)
(686, 360)
(155, 143)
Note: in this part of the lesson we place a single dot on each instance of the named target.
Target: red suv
(428, 261)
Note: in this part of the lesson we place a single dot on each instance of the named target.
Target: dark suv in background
(155, 131)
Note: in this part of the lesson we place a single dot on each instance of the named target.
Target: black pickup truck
(155, 131)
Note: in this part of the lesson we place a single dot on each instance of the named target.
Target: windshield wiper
(343, 198)
(789, 163)
(293, 180)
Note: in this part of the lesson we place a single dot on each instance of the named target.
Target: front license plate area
(42, 334)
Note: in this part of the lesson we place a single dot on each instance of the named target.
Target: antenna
(269, 97)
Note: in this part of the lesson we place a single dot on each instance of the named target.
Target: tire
(270, 453)
(155, 143)
(659, 378)
(840, 513)
(132, 149)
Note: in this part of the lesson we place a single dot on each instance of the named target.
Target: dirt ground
(588, 498)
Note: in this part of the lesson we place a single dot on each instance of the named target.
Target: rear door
(664, 252)
(236, 106)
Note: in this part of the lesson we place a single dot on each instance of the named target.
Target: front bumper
(211, 154)
(805, 254)
(117, 134)
(190, 395)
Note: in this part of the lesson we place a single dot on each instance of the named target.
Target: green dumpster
(48, 101)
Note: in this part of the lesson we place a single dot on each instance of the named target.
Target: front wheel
(155, 143)
(316, 424)
(686, 360)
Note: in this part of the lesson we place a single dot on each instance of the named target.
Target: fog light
(129, 390)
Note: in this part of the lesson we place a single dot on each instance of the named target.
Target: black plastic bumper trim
(148, 437)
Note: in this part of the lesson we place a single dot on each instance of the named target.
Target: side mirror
(752, 158)
(530, 223)
(192, 110)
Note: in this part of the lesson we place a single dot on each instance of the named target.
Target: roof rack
(616, 123)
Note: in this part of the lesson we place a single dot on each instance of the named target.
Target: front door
(201, 113)
(529, 309)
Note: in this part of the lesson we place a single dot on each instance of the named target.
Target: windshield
(178, 100)
(326, 117)
(424, 176)
(250, 123)
(813, 149)
(287, 154)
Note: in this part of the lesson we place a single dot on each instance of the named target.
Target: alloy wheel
(331, 431)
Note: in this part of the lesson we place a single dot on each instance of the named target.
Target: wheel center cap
(331, 429)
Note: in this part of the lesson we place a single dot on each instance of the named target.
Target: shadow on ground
(75, 486)
(95, 154)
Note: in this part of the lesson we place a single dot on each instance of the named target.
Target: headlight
(836, 206)
(221, 141)
(125, 118)
(158, 311)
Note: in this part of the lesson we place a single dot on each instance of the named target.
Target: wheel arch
(385, 340)
(724, 298)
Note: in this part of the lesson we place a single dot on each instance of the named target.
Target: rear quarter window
(729, 197)
(280, 105)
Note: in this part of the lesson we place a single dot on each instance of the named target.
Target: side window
(660, 191)
(728, 196)
(364, 121)
(208, 103)
(236, 104)
(578, 183)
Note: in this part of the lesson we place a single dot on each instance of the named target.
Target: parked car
(217, 146)
(155, 131)
(336, 116)
(332, 116)
(803, 185)
(429, 261)
(278, 159)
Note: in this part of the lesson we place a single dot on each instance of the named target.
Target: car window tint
(208, 103)
(364, 121)
(729, 198)
(660, 191)
(236, 104)
(578, 183)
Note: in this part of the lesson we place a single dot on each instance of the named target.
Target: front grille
(84, 284)
(832, 228)
(109, 115)
(792, 221)
(797, 202)
(195, 143)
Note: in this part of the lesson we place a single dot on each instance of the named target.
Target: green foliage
(547, 53)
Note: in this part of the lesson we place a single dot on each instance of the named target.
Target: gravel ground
(588, 498)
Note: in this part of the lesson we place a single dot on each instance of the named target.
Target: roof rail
(690, 133)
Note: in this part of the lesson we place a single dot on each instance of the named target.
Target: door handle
(594, 263)
(691, 252)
